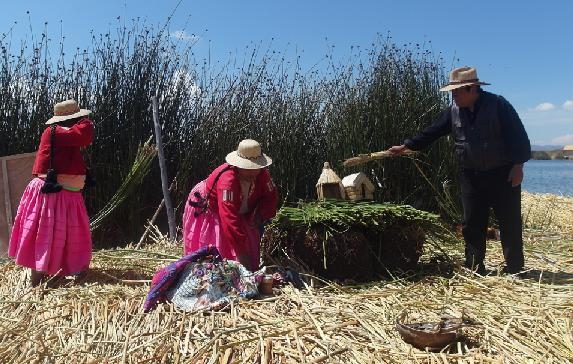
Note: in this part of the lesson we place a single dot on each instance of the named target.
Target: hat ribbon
(464, 81)
(67, 112)
(250, 158)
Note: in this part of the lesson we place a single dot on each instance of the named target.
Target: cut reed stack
(347, 240)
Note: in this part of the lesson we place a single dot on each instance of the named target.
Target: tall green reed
(301, 117)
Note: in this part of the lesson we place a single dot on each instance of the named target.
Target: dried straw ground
(99, 319)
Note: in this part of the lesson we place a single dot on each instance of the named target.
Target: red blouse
(226, 198)
(68, 158)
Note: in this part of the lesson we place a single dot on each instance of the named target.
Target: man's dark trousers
(482, 190)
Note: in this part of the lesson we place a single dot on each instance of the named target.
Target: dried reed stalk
(98, 320)
(365, 158)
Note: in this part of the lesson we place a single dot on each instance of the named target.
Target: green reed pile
(342, 240)
(302, 117)
(341, 215)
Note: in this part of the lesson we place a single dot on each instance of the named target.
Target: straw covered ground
(99, 319)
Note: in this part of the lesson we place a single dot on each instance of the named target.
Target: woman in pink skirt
(229, 208)
(51, 232)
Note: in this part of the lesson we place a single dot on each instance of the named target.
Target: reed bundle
(145, 154)
(365, 158)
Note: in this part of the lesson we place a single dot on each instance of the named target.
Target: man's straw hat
(66, 110)
(248, 156)
(463, 76)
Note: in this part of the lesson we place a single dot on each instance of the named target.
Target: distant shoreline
(560, 196)
(549, 155)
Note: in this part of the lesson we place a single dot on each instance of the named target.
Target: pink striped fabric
(205, 230)
(51, 232)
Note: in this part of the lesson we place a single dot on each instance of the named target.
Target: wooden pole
(163, 168)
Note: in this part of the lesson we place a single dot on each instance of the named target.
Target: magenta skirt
(51, 232)
(205, 230)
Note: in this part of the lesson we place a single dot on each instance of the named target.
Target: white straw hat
(66, 110)
(248, 156)
(463, 76)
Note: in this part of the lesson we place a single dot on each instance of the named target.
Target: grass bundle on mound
(348, 240)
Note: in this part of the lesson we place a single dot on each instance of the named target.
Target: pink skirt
(205, 230)
(51, 232)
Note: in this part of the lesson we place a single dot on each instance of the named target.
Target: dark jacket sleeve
(513, 132)
(442, 126)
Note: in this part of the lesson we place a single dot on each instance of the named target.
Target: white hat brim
(57, 119)
(256, 163)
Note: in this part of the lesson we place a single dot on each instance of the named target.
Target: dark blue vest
(479, 145)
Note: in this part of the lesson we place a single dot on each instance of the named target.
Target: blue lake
(553, 176)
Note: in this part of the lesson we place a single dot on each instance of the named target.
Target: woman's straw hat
(463, 76)
(66, 110)
(248, 156)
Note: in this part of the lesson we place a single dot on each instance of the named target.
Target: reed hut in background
(568, 151)
(358, 187)
(329, 185)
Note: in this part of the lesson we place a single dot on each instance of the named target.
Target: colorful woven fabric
(166, 277)
(212, 286)
(51, 232)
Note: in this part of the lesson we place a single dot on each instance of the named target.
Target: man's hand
(399, 149)
(515, 175)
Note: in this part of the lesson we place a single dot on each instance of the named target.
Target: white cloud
(563, 139)
(544, 106)
(568, 105)
(544, 128)
(183, 35)
(182, 78)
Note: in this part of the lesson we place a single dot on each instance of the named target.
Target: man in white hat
(491, 145)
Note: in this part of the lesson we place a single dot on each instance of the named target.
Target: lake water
(553, 176)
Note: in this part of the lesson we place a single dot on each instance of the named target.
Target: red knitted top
(226, 199)
(68, 158)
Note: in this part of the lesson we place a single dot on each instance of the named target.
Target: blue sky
(524, 49)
